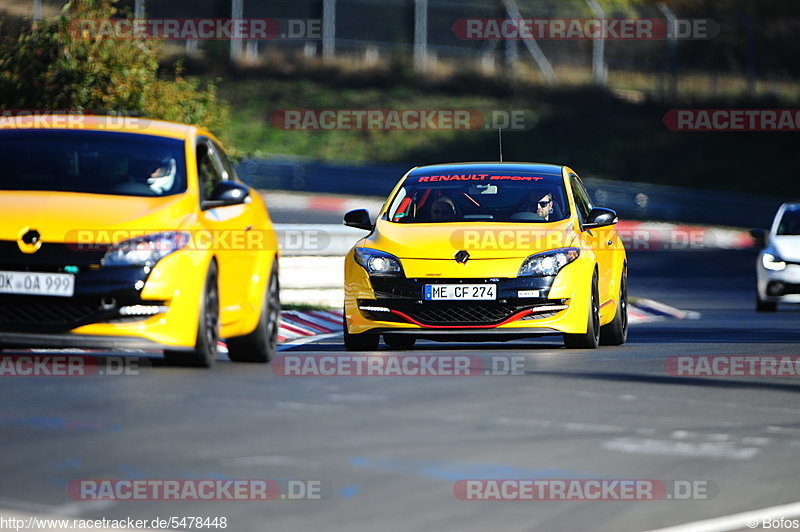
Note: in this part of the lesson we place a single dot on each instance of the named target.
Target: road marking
(356, 397)
(308, 407)
(308, 340)
(681, 448)
(568, 426)
(736, 521)
(74, 509)
(273, 460)
(777, 429)
(452, 471)
(349, 491)
(754, 440)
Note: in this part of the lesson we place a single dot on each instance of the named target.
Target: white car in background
(778, 265)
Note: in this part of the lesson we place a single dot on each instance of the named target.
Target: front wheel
(765, 306)
(591, 338)
(260, 345)
(205, 349)
(616, 332)
(358, 342)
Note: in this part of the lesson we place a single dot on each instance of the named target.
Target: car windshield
(790, 223)
(92, 162)
(480, 196)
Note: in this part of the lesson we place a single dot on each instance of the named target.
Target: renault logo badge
(462, 256)
(29, 241)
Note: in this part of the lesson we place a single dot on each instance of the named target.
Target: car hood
(441, 241)
(787, 247)
(59, 216)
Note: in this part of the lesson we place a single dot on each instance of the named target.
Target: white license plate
(37, 284)
(435, 292)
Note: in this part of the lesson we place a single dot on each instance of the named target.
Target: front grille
(471, 313)
(51, 313)
(57, 314)
(779, 288)
(460, 313)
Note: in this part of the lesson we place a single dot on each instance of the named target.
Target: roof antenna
(500, 137)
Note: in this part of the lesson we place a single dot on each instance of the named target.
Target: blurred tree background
(613, 129)
(52, 65)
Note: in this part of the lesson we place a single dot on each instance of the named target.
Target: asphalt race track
(388, 450)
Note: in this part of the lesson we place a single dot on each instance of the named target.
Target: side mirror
(359, 219)
(760, 236)
(226, 193)
(600, 217)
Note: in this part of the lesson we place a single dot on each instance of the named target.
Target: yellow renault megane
(486, 251)
(132, 233)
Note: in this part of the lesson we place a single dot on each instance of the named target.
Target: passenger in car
(443, 210)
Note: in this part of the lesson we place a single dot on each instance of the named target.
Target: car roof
(116, 124)
(536, 168)
(791, 206)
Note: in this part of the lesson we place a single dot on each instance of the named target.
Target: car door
(600, 240)
(229, 229)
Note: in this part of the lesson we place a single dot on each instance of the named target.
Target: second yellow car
(486, 251)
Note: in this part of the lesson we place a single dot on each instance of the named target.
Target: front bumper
(551, 305)
(99, 296)
(779, 287)
(162, 302)
(84, 341)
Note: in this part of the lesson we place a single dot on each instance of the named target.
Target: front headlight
(145, 250)
(549, 263)
(378, 263)
(772, 262)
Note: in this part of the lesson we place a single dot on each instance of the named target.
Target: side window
(227, 167)
(209, 170)
(582, 201)
(396, 204)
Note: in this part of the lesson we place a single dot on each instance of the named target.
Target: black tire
(591, 338)
(765, 306)
(205, 350)
(616, 332)
(399, 341)
(358, 342)
(260, 345)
